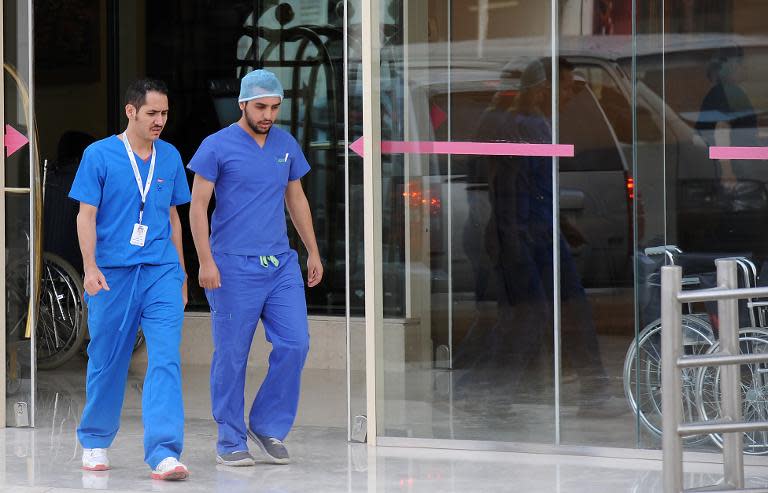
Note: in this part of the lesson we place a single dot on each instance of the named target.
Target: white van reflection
(679, 199)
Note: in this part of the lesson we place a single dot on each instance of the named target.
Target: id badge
(139, 234)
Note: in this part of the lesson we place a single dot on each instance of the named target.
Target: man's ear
(130, 111)
(243, 105)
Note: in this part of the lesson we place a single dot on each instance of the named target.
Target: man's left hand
(184, 297)
(314, 270)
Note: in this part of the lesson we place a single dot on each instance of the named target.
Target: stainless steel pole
(730, 384)
(671, 383)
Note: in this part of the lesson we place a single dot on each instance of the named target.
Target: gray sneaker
(236, 459)
(272, 448)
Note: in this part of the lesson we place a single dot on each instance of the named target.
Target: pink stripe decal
(720, 152)
(470, 148)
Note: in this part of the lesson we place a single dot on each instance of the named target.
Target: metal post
(374, 301)
(3, 329)
(347, 262)
(730, 385)
(729, 357)
(671, 383)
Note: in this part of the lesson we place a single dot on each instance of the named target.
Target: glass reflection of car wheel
(754, 390)
(642, 373)
(61, 313)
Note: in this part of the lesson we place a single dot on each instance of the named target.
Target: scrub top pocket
(163, 190)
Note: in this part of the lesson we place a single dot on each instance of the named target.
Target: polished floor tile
(47, 458)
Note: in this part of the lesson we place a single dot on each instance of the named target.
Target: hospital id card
(139, 235)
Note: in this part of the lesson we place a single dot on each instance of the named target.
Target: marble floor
(47, 458)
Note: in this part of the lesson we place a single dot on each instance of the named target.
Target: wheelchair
(701, 386)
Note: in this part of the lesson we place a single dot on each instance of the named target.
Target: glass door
(507, 200)
(702, 181)
(22, 198)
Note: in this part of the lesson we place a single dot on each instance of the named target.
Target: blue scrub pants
(249, 292)
(150, 296)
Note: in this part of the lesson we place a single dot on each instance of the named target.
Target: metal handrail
(720, 293)
(731, 425)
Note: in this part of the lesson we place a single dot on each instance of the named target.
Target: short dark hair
(136, 94)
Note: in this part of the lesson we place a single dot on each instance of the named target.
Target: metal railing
(729, 358)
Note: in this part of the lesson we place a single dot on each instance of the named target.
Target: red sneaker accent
(177, 474)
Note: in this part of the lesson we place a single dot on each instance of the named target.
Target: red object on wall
(613, 17)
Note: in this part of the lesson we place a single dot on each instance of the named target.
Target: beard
(255, 127)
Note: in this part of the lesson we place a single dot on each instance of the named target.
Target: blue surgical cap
(260, 84)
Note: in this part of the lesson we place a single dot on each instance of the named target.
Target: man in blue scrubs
(128, 187)
(250, 272)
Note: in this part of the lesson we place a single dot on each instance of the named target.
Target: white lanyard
(143, 189)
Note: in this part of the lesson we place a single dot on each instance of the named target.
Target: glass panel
(642, 365)
(700, 70)
(596, 194)
(354, 245)
(19, 348)
(468, 326)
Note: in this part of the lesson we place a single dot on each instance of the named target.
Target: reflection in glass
(703, 82)
(18, 337)
(472, 359)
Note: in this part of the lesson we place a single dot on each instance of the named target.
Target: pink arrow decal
(722, 152)
(13, 140)
(469, 148)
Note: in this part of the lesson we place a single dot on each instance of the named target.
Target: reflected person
(522, 199)
(727, 117)
(478, 236)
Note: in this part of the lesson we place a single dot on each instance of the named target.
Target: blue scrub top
(106, 181)
(250, 183)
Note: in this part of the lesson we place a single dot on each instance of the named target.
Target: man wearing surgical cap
(249, 271)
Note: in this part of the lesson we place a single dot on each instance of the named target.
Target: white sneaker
(95, 459)
(170, 469)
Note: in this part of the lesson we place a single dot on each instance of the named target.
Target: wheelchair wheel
(754, 390)
(642, 373)
(61, 313)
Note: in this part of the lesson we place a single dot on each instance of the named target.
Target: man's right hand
(94, 281)
(209, 276)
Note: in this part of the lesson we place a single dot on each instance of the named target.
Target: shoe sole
(235, 463)
(97, 467)
(178, 474)
(272, 458)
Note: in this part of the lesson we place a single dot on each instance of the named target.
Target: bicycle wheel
(754, 390)
(642, 373)
(61, 313)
